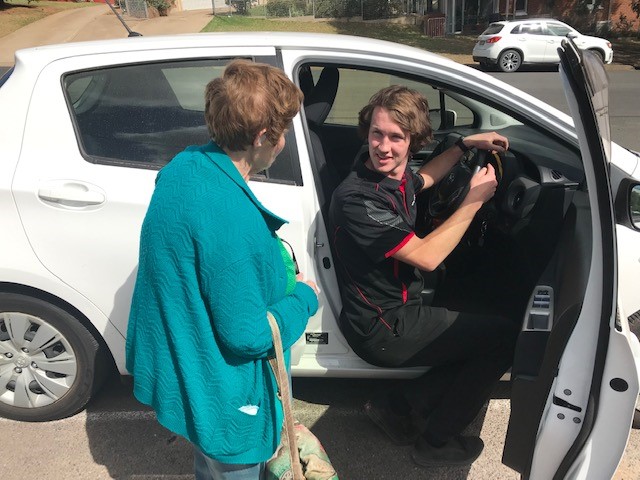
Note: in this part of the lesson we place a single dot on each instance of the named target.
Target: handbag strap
(282, 379)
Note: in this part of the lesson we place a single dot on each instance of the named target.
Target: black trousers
(469, 353)
(468, 359)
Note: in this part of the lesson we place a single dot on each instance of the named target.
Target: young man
(383, 318)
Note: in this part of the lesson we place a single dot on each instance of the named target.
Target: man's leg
(468, 358)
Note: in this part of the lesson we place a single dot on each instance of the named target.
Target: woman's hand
(311, 283)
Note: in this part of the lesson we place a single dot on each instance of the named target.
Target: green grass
(405, 34)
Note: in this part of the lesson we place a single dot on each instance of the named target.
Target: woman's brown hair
(247, 98)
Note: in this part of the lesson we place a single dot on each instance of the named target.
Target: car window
(559, 29)
(142, 115)
(532, 28)
(357, 86)
(493, 29)
(4, 77)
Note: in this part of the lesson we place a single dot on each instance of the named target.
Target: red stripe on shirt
(393, 251)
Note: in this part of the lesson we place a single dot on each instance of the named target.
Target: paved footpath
(96, 23)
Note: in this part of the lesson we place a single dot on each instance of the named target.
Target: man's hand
(491, 141)
(482, 186)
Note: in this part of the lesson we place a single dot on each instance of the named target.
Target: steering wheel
(447, 195)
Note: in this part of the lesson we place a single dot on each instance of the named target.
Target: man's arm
(429, 252)
(438, 167)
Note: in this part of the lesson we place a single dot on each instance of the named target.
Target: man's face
(388, 145)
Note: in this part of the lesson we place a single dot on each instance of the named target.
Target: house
(469, 16)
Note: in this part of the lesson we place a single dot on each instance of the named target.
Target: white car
(85, 128)
(510, 44)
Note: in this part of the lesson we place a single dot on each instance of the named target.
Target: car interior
(526, 255)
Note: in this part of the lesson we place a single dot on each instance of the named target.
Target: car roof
(528, 20)
(281, 40)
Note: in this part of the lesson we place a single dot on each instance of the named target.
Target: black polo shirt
(373, 217)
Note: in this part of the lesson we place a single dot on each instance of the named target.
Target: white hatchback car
(510, 44)
(85, 128)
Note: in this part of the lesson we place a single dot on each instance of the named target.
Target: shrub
(160, 5)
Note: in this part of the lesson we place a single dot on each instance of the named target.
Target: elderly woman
(211, 266)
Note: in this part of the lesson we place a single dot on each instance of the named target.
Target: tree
(635, 6)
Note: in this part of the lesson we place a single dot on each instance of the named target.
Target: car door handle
(72, 194)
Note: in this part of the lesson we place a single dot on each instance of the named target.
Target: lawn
(18, 13)
(405, 34)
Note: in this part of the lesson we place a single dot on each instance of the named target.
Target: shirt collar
(365, 172)
(221, 160)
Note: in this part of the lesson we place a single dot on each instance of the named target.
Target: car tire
(510, 61)
(50, 363)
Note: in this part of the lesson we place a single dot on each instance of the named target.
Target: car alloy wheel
(50, 364)
(510, 61)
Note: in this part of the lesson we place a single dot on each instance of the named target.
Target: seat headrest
(318, 103)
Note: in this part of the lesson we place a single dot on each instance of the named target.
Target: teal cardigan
(198, 338)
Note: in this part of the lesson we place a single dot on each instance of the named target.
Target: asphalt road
(116, 437)
(624, 98)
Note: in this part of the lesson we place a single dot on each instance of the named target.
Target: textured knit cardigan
(210, 268)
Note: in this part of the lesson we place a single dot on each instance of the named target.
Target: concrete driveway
(96, 23)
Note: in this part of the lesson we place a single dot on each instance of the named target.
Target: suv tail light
(494, 39)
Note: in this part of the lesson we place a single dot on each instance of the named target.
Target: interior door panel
(543, 340)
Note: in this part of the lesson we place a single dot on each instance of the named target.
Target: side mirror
(572, 35)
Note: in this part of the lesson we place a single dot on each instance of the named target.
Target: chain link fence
(134, 8)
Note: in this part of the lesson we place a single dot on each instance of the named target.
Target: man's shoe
(399, 428)
(457, 452)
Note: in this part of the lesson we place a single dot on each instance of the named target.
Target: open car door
(574, 378)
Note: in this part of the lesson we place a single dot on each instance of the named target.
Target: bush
(286, 8)
(338, 8)
(160, 5)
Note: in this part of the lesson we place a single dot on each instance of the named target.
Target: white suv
(510, 44)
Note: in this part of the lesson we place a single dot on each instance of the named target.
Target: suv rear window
(493, 28)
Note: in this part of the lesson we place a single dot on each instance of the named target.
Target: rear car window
(142, 115)
(493, 28)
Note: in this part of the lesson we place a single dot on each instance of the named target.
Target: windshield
(493, 29)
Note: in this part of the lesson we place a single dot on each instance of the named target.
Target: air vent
(556, 175)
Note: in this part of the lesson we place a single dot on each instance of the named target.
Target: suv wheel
(510, 61)
(50, 364)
